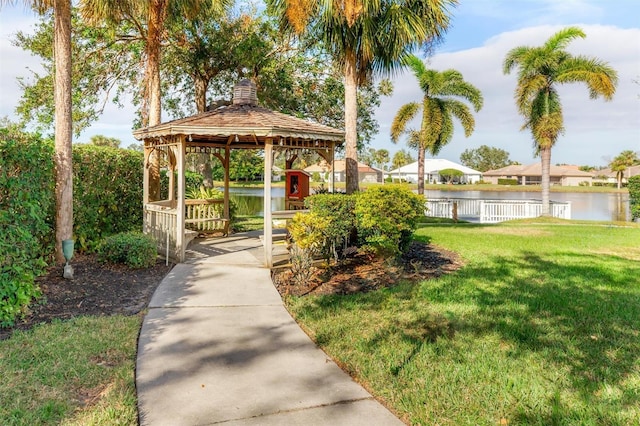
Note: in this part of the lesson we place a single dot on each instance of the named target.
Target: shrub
(134, 249)
(337, 210)
(634, 196)
(26, 214)
(107, 193)
(307, 231)
(386, 217)
(503, 181)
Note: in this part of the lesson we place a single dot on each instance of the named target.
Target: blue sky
(483, 31)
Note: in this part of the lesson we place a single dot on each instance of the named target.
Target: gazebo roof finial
(245, 93)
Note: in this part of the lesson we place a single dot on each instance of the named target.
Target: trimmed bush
(634, 196)
(134, 249)
(26, 212)
(107, 193)
(337, 210)
(386, 217)
(502, 181)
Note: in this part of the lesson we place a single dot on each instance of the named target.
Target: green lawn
(77, 372)
(540, 327)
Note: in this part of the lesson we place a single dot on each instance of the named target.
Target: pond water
(584, 206)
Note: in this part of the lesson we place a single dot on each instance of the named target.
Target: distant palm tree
(621, 163)
(63, 122)
(443, 91)
(366, 38)
(540, 71)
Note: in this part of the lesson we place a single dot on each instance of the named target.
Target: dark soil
(362, 273)
(96, 289)
(104, 289)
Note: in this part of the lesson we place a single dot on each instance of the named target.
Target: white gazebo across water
(242, 125)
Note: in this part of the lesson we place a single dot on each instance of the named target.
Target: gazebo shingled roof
(242, 120)
(242, 125)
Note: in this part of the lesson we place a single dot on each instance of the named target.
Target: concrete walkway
(218, 346)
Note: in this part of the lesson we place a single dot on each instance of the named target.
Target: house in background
(609, 176)
(365, 173)
(531, 174)
(432, 167)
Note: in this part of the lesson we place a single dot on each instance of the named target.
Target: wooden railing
(205, 215)
(493, 211)
(160, 221)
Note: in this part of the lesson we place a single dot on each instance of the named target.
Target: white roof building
(432, 167)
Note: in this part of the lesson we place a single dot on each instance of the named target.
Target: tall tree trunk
(63, 124)
(350, 122)
(204, 164)
(157, 10)
(545, 160)
(421, 169)
(201, 93)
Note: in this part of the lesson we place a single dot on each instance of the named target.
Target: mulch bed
(362, 273)
(104, 289)
(96, 289)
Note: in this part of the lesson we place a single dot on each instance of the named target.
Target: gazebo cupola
(241, 125)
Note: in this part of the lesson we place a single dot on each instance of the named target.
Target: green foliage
(307, 232)
(386, 217)
(26, 214)
(337, 210)
(485, 158)
(451, 174)
(634, 196)
(192, 182)
(107, 192)
(134, 249)
(504, 181)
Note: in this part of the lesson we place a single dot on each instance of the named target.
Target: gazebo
(242, 125)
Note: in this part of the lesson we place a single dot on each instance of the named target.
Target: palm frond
(405, 114)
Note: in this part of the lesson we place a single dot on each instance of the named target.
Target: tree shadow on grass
(579, 312)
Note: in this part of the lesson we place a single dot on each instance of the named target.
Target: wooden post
(225, 165)
(332, 179)
(180, 248)
(268, 224)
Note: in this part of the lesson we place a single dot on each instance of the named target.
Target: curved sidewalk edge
(218, 346)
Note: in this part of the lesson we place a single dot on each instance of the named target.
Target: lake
(584, 206)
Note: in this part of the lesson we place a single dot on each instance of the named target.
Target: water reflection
(584, 206)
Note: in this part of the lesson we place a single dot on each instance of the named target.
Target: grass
(541, 326)
(77, 372)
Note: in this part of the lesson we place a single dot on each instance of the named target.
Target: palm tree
(62, 119)
(443, 94)
(149, 18)
(620, 164)
(366, 38)
(540, 71)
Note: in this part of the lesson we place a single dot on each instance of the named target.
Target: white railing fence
(493, 211)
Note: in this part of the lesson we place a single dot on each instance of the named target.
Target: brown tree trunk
(63, 125)
(204, 165)
(545, 162)
(421, 170)
(350, 122)
(157, 12)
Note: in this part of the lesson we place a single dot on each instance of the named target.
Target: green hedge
(386, 217)
(634, 196)
(27, 206)
(107, 193)
(503, 181)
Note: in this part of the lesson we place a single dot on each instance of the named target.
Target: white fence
(493, 211)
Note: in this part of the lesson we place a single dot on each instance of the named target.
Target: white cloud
(594, 128)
